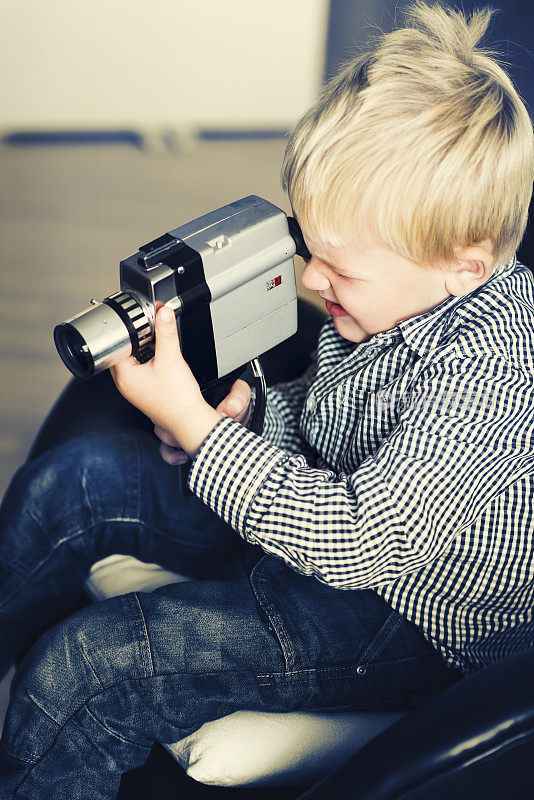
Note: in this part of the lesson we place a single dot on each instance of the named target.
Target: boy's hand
(166, 390)
(236, 404)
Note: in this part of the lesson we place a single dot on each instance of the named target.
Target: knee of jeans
(79, 482)
(80, 658)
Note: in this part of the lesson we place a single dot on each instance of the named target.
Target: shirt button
(311, 404)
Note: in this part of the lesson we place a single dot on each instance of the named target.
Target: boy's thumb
(236, 400)
(167, 343)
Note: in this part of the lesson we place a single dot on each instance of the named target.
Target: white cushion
(266, 749)
(248, 747)
(119, 574)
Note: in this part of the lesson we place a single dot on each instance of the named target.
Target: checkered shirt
(404, 465)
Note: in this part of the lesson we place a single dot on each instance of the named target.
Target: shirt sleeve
(283, 410)
(463, 435)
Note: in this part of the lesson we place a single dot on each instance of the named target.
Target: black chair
(473, 740)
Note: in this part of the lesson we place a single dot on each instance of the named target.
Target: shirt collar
(423, 332)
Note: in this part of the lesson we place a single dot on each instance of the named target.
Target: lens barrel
(103, 334)
(73, 350)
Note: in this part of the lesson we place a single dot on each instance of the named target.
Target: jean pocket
(318, 626)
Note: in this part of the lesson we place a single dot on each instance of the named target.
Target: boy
(385, 512)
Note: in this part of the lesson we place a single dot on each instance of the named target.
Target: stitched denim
(99, 684)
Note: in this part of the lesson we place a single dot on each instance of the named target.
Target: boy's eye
(335, 271)
(340, 274)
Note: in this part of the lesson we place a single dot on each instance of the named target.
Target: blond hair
(420, 142)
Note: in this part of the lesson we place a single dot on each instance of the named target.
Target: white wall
(92, 63)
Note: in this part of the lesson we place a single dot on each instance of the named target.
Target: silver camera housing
(228, 275)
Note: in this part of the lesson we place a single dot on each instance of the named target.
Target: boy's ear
(473, 266)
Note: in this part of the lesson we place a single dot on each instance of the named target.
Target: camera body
(229, 277)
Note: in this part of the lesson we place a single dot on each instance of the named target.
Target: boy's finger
(172, 455)
(237, 400)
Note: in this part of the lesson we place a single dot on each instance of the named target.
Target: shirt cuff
(229, 468)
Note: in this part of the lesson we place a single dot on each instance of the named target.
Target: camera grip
(260, 401)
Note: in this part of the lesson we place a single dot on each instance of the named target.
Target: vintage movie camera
(229, 277)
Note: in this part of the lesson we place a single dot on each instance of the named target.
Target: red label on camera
(274, 282)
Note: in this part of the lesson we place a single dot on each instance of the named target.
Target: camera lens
(73, 350)
(103, 334)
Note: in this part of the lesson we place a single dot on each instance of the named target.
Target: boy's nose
(313, 276)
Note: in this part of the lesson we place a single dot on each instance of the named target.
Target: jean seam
(349, 667)
(377, 645)
(148, 662)
(281, 634)
(32, 760)
(41, 708)
(107, 729)
(85, 656)
(275, 621)
(87, 498)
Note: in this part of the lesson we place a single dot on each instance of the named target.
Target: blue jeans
(99, 686)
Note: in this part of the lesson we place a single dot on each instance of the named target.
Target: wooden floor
(67, 217)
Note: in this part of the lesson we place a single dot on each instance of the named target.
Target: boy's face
(368, 289)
